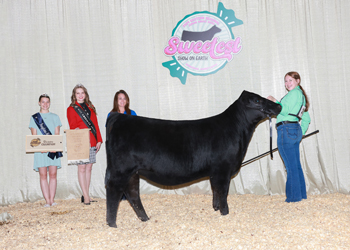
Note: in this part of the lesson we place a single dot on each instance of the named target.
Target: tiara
(79, 85)
(44, 95)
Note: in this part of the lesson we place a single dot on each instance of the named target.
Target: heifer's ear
(245, 96)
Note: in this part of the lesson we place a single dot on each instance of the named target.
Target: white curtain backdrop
(50, 46)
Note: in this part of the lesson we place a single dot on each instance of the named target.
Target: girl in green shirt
(294, 108)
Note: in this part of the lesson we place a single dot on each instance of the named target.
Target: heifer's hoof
(224, 212)
(144, 218)
(112, 225)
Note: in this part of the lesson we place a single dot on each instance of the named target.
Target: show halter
(263, 110)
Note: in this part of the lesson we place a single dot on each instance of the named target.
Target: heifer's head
(260, 107)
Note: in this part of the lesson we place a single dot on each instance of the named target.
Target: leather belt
(284, 122)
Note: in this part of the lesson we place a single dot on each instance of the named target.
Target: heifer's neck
(243, 122)
(247, 118)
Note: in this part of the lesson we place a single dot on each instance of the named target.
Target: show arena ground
(183, 222)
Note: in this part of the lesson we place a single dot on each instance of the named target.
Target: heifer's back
(176, 152)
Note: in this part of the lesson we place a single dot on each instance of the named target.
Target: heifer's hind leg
(113, 200)
(220, 188)
(133, 195)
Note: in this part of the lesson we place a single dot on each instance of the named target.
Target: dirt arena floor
(183, 222)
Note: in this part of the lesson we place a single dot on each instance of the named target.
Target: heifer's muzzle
(269, 111)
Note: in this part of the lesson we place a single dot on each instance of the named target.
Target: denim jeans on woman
(289, 137)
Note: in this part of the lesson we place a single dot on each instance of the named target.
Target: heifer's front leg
(220, 191)
(112, 198)
(133, 195)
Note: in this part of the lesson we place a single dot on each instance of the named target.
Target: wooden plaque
(44, 143)
(78, 146)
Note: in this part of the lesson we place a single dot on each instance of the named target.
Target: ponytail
(306, 99)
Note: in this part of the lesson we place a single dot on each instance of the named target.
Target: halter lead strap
(271, 152)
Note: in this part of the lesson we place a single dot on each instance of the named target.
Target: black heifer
(177, 152)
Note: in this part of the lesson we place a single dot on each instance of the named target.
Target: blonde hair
(86, 100)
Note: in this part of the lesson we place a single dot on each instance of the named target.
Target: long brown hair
(87, 98)
(296, 76)
(115, 102)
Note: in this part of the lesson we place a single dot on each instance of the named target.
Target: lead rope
(271, 153)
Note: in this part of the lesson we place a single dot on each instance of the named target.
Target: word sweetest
(215, 49)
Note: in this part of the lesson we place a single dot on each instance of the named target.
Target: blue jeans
(288, 140)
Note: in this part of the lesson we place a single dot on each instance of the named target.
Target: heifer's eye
(257, 101)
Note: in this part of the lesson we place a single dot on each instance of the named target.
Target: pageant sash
(86, 119)
(45, 131)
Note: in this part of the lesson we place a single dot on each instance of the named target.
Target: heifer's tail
(107, 176)
(108, 173)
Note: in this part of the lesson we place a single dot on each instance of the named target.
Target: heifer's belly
(171, 179)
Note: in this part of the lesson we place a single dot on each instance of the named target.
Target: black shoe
(87, 203)
(82, 200)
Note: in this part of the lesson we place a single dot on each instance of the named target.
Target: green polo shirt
(291, 104)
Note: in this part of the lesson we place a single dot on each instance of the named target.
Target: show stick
(268, 152)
